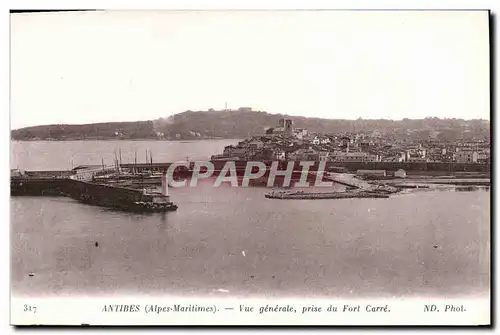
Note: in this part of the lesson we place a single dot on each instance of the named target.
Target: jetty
(82, 186)
(357, 188)
(447, 181)
(300, 195)
(348, 179)
(410, 186)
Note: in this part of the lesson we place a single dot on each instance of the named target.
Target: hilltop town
(287, 142)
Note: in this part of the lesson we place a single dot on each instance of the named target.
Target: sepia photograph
(250, 167)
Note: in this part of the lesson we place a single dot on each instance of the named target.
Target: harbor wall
(351, 166)
(38, 186)
(98, 194)
(414, 167)
(389, 166)
(104, 195)
(49, 174)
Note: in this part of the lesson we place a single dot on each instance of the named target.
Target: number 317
(28, 308)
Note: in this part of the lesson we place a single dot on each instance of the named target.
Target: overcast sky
(141, 65)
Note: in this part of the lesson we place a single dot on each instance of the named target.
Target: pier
(347, 179)
(322, 195)
(80, 185)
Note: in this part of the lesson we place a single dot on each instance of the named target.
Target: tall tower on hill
(288, 127)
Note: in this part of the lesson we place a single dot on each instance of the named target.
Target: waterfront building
(255, 144)
(467, 156)
(16, 173)
(378, 173)
(483, 158)
(400, 173)
(87, 172)
(413, 159)
(228, 151)
(304, 154)
(393, 159)
(354, 157)
(415, 154)
(344, 144)
(241, 153)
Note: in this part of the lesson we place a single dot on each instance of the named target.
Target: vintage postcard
(278, 167)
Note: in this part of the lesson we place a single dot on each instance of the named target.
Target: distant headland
(244, 123)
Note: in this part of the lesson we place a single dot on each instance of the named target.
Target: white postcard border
(82, 304)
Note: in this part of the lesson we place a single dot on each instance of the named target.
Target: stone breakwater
(322, 195)
(356, 189)
(121, 198)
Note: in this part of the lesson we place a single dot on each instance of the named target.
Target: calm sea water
(423, 243)
(59, 155)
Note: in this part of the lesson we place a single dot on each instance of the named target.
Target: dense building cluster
(285, 142)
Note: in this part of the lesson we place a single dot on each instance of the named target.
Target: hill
(244, 123)
(93, 131)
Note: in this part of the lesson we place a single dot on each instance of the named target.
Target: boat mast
(116, 164)
(135, 162)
